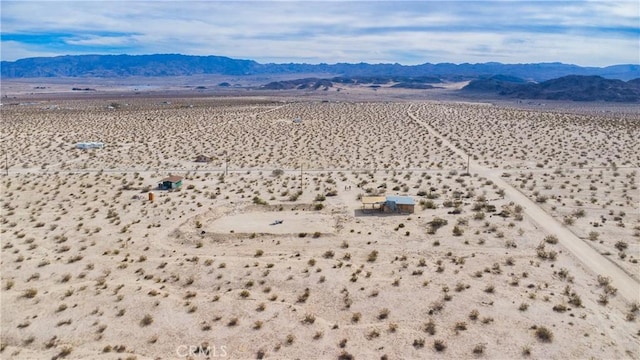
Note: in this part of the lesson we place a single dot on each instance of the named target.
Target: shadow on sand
(377, 213)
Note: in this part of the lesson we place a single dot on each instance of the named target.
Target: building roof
(368, 200)
(203, 158)
(173, 179)
(401, 200)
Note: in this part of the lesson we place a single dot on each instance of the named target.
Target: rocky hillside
(572, 87)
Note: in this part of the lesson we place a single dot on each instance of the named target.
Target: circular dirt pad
(263, 222)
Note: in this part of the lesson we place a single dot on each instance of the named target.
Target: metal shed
(171, 182)
(399, 204)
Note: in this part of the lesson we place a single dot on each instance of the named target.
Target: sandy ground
(536, 256)
(265, 223)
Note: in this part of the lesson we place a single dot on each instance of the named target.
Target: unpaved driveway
(628, 287)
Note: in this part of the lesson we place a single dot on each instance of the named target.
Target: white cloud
(327, 31)
(14, 50)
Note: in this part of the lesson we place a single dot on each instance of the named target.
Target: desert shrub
(603, 280)
(146, 320)
(9, 284)
(66, 350)
(355, 317)
(473, 315)
(30, 293)
(436, 224)
(290, 339)
(439, 345)
(478, 215)
(430, 327)
(372, 256)
(575, 300)
(427, 204)
(373, 334)
(331, 193)
(461, 325)
(258, 201)
(543, 334)
(418, 343)
(384, 313)
(579, 213)
(560, 308)
(603, 299)
(393, 327)
(309, 319)
(621, 245)
(304, 296)
(541, 199)
(479, 349)
(551, 239)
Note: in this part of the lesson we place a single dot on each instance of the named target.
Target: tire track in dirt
(627, 286)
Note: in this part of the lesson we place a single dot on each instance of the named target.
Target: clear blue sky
(590, 33)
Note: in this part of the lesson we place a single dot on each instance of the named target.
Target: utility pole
(468, 162)
(301, 180)
(226, 165)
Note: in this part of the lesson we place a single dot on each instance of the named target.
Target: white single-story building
(89, 145)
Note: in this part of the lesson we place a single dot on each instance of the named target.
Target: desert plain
(524, 242)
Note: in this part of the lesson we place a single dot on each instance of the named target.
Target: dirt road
(628, 287)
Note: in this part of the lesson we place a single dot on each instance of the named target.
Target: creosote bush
(543, 334)
(439, 345)
(146, 320)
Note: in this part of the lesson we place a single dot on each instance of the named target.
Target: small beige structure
(372, 202)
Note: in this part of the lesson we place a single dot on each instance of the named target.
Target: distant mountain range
(111, 66)
(572, 87)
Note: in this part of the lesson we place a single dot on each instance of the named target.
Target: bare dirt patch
(265, 223)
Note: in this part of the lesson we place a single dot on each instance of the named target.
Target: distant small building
(171, 182)
(297, 120)
(89, 145)
(389, 204)
(203, 159)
